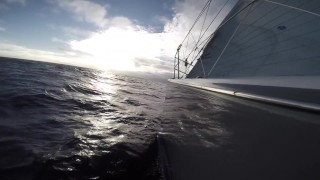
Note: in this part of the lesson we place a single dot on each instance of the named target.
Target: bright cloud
(123, 45)
(85, 11)
(117, 47)
(120, 43)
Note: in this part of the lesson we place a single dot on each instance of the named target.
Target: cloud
(52, 26)
(75, 32)
(122, 22)
(2, 29)
(124, 45)
(116, 47)
(85, 11)
(22, 2)
(70, 31)
(186, 14)
(162, 19)
(16, 51)
(120, 43)
(156, 65)
(57, 40)
(3, 7)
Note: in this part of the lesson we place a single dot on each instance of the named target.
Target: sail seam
(292, 7)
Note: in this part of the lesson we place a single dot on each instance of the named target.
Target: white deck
(307, 83)
(304, 82)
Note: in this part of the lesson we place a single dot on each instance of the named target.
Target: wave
(31, 100)
(81, 89)
(120, 161)
(62, 122)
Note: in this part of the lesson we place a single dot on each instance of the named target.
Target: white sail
(265, 38)
(261, 43)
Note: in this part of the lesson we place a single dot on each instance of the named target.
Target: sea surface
(66, 122)
(59, 121)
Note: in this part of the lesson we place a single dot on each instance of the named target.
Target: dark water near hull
(64, 122)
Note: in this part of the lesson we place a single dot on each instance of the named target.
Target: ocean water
(65, 122)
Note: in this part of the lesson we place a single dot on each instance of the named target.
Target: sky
(122, 35)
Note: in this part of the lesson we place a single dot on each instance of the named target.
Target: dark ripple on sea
(63, 122)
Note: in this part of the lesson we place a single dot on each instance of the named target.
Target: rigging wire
(205, 44)
(196, 45)
(212, 21)
(199, 38)
(185, 49)
(190, 32)
(202, 11)
(204, 20)
(209, 38)
(226, 21)
(224, 49)
(236, 34)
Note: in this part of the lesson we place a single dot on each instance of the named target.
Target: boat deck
(241, 139)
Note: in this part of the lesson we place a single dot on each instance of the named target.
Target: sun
(117, 48)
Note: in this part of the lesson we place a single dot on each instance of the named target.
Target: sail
(208, 21)
(264, 38)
